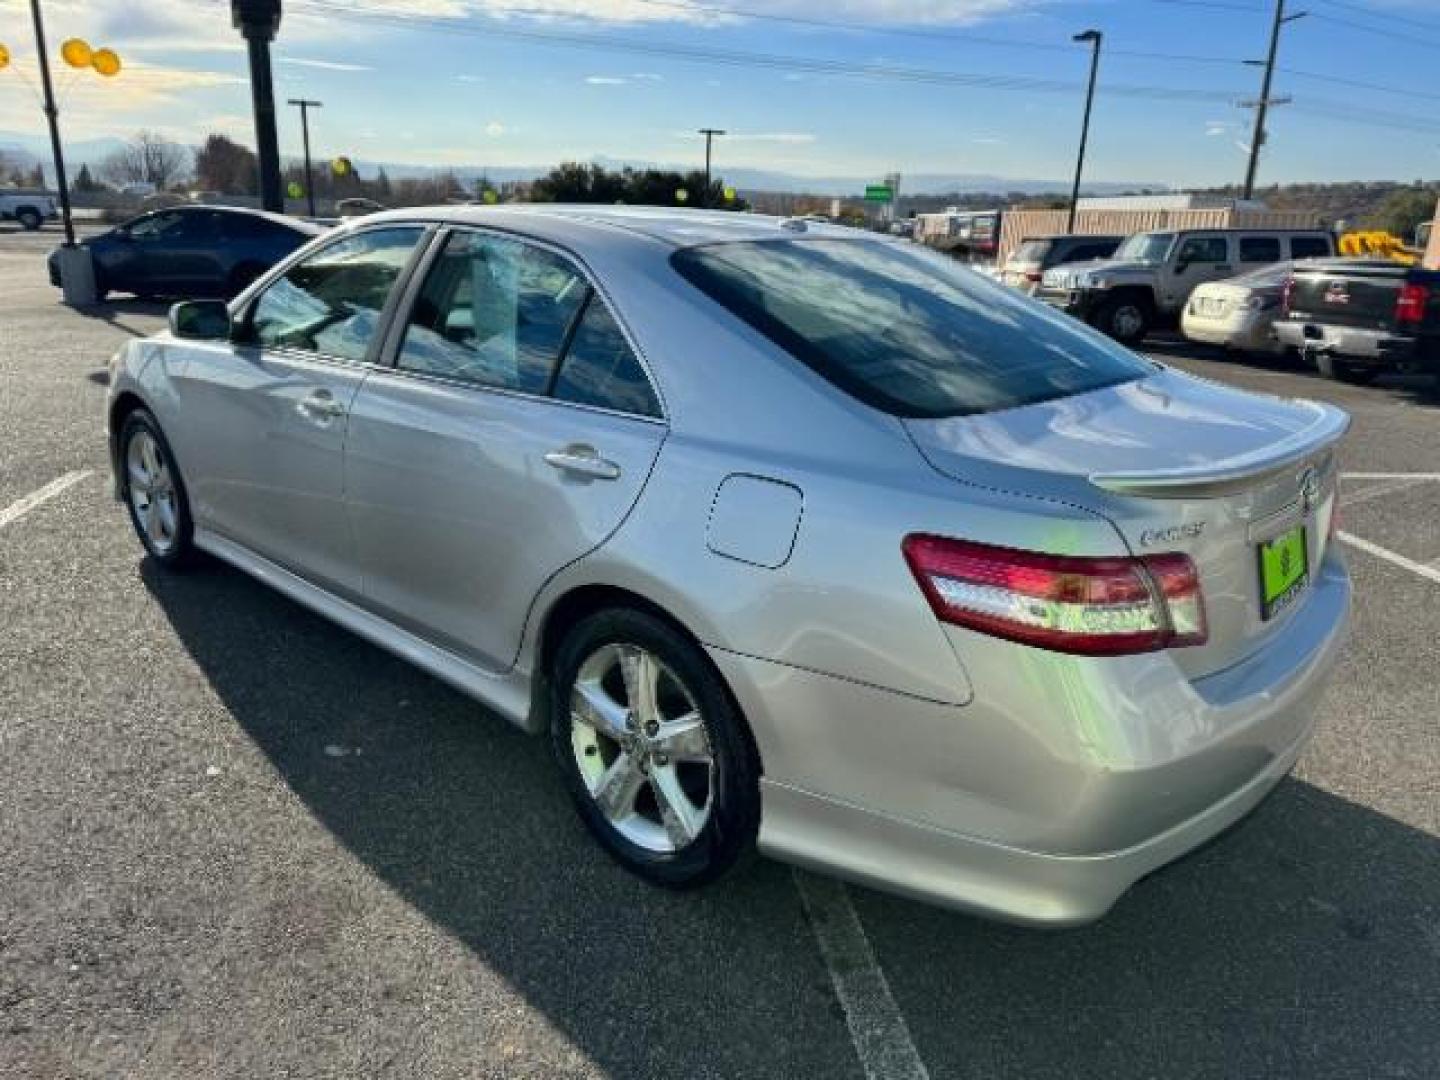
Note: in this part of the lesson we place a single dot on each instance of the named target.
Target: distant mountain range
(26, 150)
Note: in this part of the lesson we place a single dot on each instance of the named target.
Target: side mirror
(201, 320)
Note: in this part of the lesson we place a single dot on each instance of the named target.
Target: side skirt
(507, 694)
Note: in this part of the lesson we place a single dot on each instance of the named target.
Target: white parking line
(20, 507)
(1427, 572)
(1416, 476)
(877, 1028)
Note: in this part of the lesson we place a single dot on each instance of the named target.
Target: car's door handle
(583, 461)
(321, 405)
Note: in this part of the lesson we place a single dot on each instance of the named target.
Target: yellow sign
(4, 57)
(342, 166)
(295, 190)
(681, 195)
(106, 62)
(76, 52)
(490, 197)
(729, 194)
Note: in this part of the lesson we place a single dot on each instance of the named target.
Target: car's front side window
(494, 312)
(153, 227)
(331, 302)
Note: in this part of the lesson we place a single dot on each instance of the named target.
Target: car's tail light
(1410, 307)
(1286, 292)
(1033, 275)
(1074, 604)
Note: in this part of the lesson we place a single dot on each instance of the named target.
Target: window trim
(394, 337)
(244, 334)
(1279, 248)
(1190, 238)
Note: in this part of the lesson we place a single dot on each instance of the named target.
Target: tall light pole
(52, 114)
(305, 105)
(709, 134)
(1094, 37)
(258, 22)
(1263, 105)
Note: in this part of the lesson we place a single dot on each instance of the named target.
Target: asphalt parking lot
(238, 841)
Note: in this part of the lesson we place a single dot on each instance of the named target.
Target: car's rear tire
(1347, 371)
(655, 753)
(1127, 319)
(154, 492)
(29, 218)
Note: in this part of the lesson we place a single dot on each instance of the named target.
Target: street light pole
(1094, 37)
(52, 113)
(709, 134)
(258, 22)
(305, 105)
(1263, 105)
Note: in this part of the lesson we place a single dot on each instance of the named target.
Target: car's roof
(279, 219)
(1075, 236)
(566, 223)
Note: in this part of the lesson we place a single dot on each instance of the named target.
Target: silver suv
(1151, 275)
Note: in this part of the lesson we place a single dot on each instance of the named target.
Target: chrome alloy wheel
(1128, 321)
(150, 485)
(642, 748)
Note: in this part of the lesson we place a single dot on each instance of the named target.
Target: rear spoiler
(1229, 475)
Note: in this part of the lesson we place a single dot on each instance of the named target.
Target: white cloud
(470, 78)
(605, 80)
(323, 65)
(988, 140)
(495, 129)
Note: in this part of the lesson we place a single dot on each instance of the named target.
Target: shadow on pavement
(1304, 944)
(116, 312)
(466, 818)
(1418, 389)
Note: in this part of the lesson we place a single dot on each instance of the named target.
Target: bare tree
(148, 158)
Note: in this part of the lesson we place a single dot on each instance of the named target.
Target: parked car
(1149, 279)
(30, 208)
(357, 207)
(1238, 313)
(783, 533)
(1358, 318)
(190, 251)
(1027, 264)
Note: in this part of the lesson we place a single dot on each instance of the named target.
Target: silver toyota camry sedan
(787, 536)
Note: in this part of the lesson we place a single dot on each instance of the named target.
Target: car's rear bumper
(1041, 819)
(1379, 347)
(1236, 331)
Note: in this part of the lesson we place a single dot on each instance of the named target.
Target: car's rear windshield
(1032, 251)
(906, 330)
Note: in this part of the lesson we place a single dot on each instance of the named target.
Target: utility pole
(305, 105)
(1262, 106)
(258, 22)
(52, 113)
(709, 134)
(1094, 38)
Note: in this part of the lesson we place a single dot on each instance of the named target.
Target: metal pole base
(77, 276)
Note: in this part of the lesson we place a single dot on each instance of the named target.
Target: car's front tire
(30, 220)
(1126, 319)
(154, 492)
(654, 751)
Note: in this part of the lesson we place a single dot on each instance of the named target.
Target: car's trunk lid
(1359, 294)
(1175, 464)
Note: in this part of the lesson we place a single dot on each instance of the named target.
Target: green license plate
(1284, 571)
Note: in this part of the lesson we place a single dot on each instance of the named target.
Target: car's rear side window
(1309, 247)
(905, 330)
(601, 369)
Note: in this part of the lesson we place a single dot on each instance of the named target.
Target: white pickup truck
(30, 208)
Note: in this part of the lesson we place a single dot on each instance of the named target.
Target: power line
(1387, 16)
(1213, 5)
(1394, 35)
(781, 62)
(1405, 91)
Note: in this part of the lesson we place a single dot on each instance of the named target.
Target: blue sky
(476, 82)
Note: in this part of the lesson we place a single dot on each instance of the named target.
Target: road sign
(878, 193)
